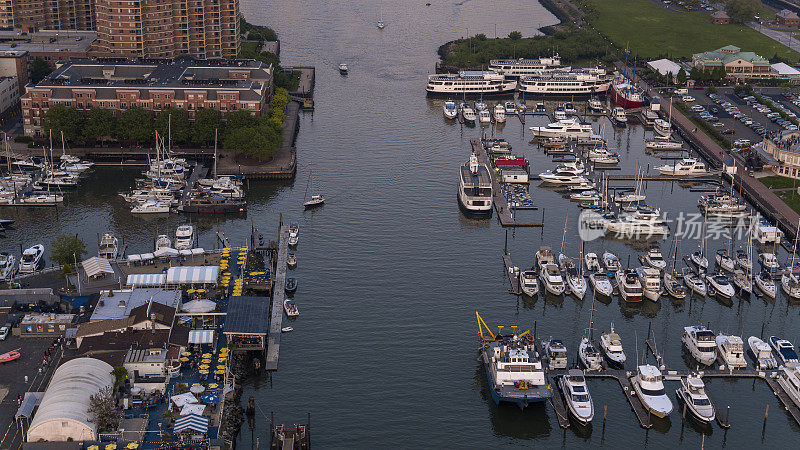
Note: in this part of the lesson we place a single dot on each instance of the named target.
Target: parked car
(687, 98)
(4, 331)
(728, 131)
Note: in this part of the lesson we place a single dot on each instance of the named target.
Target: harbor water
(391, 272)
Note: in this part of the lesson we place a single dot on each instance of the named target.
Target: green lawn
(650, 30)
(776, 182)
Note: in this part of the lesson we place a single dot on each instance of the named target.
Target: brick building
(720, 18)
(788, 19)
(153, 84)
(168, 28)
(33, 15)
(52, 46)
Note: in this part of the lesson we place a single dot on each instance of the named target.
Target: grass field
(790, 197)
(650, 30)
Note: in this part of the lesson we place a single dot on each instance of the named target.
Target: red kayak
(10, 356)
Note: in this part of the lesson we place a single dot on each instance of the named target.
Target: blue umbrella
(210, 398)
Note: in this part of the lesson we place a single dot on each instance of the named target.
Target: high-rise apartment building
(168, 28)
(33, 15)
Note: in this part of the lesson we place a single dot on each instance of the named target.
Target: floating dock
(278, 294)
(513, 278)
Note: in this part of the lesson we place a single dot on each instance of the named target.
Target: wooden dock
(278, 294)
(513, 278)
(557, 402)
(642, 414)
(787, 402)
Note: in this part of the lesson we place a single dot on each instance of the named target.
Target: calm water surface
(391, 273)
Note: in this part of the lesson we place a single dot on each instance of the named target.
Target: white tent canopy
(785, 69)
(193, 408)
(199, 306)
(183, 399)
(192, 275)
(96, 265)
(146, 279)
(201, 336)
(665, 66)
(166, 251)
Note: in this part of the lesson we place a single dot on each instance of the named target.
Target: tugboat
(513, 367)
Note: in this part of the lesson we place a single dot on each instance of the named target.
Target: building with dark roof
(787, 18)
(119, 84)
(720, 18)
(247, 322)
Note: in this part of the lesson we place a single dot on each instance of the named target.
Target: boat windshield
(788, 353)
(652, 392)
(580, 397)
(27, 258)
(701, 401)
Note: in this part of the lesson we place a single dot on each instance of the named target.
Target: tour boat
(701, 344)
(499, 113)
(7, 266)
(31, 258)
(468, 114)
(151, 207)
(694, 282)
(649, 386)
(529, 283)
(556, 353)
(720, 285)
(109, 246)
(588, 356)
(762, 353)
(548, 271)
(184, 237)
(687, 167)
(10, 356)
(450, 109)
(291, 260)
(662, 127)
(576, 393)
(724, 261)
(290, 308)
(611, 346)
(475, 187)
(291, 285)
(163, 241)
(520, 67)
(784, 350)
(693, 394)
(650, 279)
(601, 283)
(564, 84)
(731, 350)
(568, 128)
(591, 261)
(514, 370)
(470, 83)
(611, 262)
(619, 116)
(789, 379)
(630, 288)
(766, 284)
(654, 258)
(575, 281)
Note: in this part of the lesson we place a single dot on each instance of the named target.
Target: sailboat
(789, 281)
(380, 17)
(315, 200)
(672, 283)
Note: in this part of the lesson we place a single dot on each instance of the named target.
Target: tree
(135, 124)
(103, 410)
(682, 77)
(239, 119)
(742, 11)
(515, 35)
(120, 375)
(179, 126)
(206, 122)
(99, 124)
(67, 248)
(60, 118)
(39, 69)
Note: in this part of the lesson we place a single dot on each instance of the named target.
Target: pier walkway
(513, 278)
(278, 294)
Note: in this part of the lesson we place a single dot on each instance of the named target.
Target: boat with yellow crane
(513, 366)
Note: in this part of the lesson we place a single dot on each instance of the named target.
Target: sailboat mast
(215, 152)
(311, 180)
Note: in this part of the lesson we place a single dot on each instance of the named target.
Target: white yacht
(630, 289)
(163, 241)
(673, 286)
(639, 226)
(470, 83)
(650, 280)
(109, 246)
(601, 156)
(484, 116)
(784, 351)
(790, 285)
(661, 144)
(8, 266)
(649, 386)
(619, 116)
(762, 353)
(789, 379)
(450, 109)
(719, 282)
(699, 260)
(468, 113)
(475, 187)
(576, 393)
(529, 282)
(611, 346)
(687, 167)
(731, 350)
(766, 284)
(722, 205)
(654, 258)
(743, 283)
(662, 127)
(592, 262)
(694, 282)
(701, 344)
(564, 84)
(151, 207)
(569, 128)
(184, 237)
(724, 261)
(595, 105)
(693, 394)
(575, 281)
(548, 271)
(511, 108)
(769, 262)
(766, 233)
(31, 258)
(611, 262)
(588, 356)
(499, 113)
(561, 178)
(343, 69)
(556, 353)
(601, 283)
(572, 168)
(290, 308)
(520, 67)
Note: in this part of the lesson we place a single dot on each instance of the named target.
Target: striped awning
(146, 279)
(192, 422)
(193, 275)
(95, 266)
(201, 336)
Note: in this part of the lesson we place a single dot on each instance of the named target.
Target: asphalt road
(783, 37)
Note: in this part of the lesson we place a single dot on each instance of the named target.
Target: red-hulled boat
(511, 161)
(10, 356)
(624, 94)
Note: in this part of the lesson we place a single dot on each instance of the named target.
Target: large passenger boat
(521, 67)
(475, 187)
(564, 83)
(471, 83)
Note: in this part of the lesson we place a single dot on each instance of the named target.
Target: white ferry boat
(520, 67)
(566, 84)
(475, 187)
(470, 83)
(569, 128)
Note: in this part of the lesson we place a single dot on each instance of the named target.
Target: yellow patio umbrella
(111, 447)
(222, 359)
(200, 291)
(132, 445)
(184, 359)
(226, 249)
(204, 366)
(226, 274)
(186, 354)
(244, 249)
(224, 350)
(221, 367)
(206, 361)
(93, 447)
(220, 372)
(213, 386)
(206, 355)
(203, 371)
(195, 384)
(190, 291)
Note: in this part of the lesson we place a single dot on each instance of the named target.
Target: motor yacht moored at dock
(475, 187)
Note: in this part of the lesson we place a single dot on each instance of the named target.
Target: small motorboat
(766, 284)
(693, 394)
(762, 353)
(576, 394)
(784, 350)
(720, 285)
(31, 259)
(673, 286)
(556, 353)
(450, 109)
(529, 283)
(499, 113)
(287, 329)
(291, 260)
(654, 258)
(291, 285)
(8, 265)
(293, 239)
(343, 69)
(695, 283)
(10, 356)
(611, 346)
(611, 261)
(768, 262)
(575, 281)
(601, 283)
(588, 356)
(724, 261)
(163, 241)
(592, 262)
(290, 308)
(511, 108)
(109, 246)
(468, 113)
